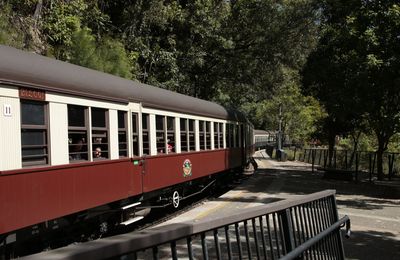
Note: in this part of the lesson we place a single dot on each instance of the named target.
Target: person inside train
(97, 153)
(76, 150)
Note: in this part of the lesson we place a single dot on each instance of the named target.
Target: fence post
(313, 159)
(287, 230)
(391, 162)
(357, 166)
(334, 158)
(370, 167)
(295, 150)
(320, 155)
(326, 153)
(345, 159)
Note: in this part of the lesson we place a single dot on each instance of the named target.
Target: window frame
(124, 132)
(135, 134)
(191, 135)
(145, 132)
(44, 129)
(184, 134)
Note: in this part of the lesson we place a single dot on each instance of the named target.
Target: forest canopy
(320, 61)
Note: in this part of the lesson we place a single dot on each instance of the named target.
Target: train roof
(28, 69)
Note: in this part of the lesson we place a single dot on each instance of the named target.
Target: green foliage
(9, 34)
(394, 145)
(82, 49)
(300, 114)
(107, 56)
(243, 54)
(62, 20)
(114, 59)
(354, 71)
(366, 142)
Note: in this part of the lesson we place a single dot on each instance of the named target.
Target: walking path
(374, 209)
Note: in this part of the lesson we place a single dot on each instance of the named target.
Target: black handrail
(272, 231)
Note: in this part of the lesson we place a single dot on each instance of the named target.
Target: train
(83, 146)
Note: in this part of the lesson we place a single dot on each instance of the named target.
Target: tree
(300, 114)
(267, 38)
(355, 69)
(9, 34)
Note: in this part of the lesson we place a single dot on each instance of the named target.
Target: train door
(136, 140)
(243, 143)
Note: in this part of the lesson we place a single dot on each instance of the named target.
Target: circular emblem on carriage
(187, 168)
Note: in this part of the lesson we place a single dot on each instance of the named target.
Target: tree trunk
(38, 11)
(379, 162)
(331, 147)
(355, 137)
(383, 140)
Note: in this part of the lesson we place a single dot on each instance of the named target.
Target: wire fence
(359, 162)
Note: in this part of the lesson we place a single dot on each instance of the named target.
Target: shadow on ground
(297, 180)
(372, 245)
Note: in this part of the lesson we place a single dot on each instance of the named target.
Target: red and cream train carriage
(56, 115)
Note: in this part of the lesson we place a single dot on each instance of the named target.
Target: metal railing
(305, 227)
(357, 162)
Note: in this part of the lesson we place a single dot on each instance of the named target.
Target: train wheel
(175, 199)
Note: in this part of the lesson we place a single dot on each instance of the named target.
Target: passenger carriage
(57, 118)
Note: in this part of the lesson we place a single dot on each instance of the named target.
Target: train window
(231, 136)
(160, 134)
(192, 139)
(145, 134)
(227, 129)
(202, 135)
(122, 134)
(77, 133)
(135, 134)
(208, 135)
(34, 127)
(221, 136)
(99, 133)
(76, 116)
(240, 135)
(237, 135)
(184, 135)
(216, 132)
(170, 134)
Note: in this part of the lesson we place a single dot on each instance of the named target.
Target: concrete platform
(374, 209)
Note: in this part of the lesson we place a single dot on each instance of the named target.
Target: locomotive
(79, 145)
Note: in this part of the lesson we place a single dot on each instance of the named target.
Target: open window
(170, 134)
(184, 135)
(100, 139)
(135, 134)
(122, 134)
(216, 134)
(208, 135)
(165, 134)
(202, 135)
(146, 134)
(192, 139)
(77, 133)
